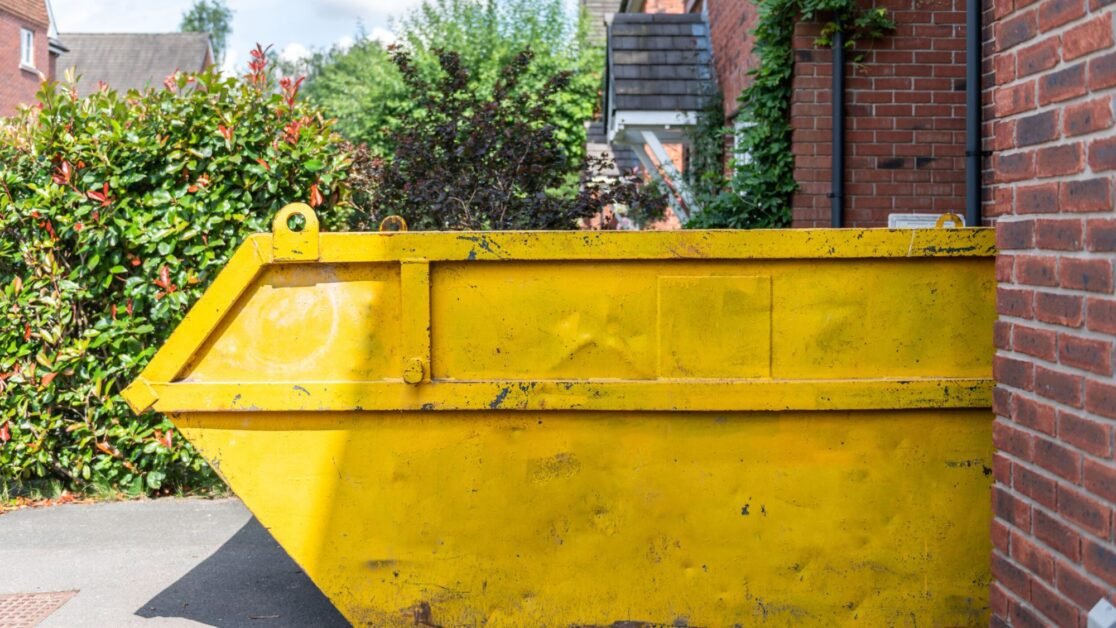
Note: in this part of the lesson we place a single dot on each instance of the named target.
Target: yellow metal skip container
(702, 428)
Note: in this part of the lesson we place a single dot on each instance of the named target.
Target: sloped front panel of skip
(690, 428)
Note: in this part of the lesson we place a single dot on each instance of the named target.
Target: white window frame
(27, 48)
(739, 154)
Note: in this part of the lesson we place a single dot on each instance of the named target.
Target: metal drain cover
(26, 610)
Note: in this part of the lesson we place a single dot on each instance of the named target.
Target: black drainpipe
(972, 113)
(837, 177)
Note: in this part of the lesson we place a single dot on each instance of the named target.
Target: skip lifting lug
(294, 234)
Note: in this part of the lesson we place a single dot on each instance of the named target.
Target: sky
(293, 27)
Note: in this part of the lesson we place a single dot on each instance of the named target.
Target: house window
(26, 48)
(741, 155)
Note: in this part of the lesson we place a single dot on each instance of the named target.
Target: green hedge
(116, 211)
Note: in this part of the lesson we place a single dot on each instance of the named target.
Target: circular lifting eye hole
(296, 222)
(393, 223)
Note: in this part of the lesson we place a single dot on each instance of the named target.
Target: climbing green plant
(758, 194)
(705, 172)
(705, 175)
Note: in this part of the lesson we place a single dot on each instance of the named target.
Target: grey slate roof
(659, 62)
(132, 60)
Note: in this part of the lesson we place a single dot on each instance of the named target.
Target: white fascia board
(659, 120)
(52, 28)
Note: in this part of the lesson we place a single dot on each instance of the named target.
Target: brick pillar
(1052, 188)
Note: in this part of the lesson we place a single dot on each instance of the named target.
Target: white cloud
(382, 35)
(293, 52)
(345, 42)
(366, 9)
(228, 68)
(118, 16)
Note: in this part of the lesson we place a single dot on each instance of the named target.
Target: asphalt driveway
(166, 562)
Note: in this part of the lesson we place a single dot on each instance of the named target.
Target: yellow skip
(698, 428)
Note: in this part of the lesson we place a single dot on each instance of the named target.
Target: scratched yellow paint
(521, 429)
(558, 518)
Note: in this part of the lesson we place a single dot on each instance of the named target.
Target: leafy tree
(116, 211)
(363, 89)
(213, 17)
(359, 86)
(470, 160)
(490, 33)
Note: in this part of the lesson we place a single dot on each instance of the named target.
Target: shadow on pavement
(250, 580)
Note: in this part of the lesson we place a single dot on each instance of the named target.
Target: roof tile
(132, 60)
(34, 11)
(659, 62)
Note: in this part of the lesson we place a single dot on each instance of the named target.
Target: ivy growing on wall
(705, 171)
(759, 192)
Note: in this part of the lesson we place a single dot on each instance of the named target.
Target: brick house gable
(19, 82)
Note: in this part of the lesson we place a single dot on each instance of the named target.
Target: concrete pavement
(166, 562)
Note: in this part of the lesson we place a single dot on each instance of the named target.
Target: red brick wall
(18, 86)
(1052, 187)
(905, 119)
(731, 23)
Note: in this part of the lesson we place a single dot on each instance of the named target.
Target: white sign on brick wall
(922, 221)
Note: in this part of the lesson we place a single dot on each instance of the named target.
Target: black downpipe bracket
(972, 113)
(837, 177)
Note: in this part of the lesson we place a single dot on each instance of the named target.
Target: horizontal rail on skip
(601, 395)
(417, 252)
(651, 245)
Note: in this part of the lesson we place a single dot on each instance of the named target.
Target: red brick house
(28, 51)
(1046, 149)
(904, 115)
(904, 110)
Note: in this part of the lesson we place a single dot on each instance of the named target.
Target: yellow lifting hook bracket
(949, 220)
(393, 223)
(295, 234)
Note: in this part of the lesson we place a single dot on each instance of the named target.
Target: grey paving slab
(167, 562)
